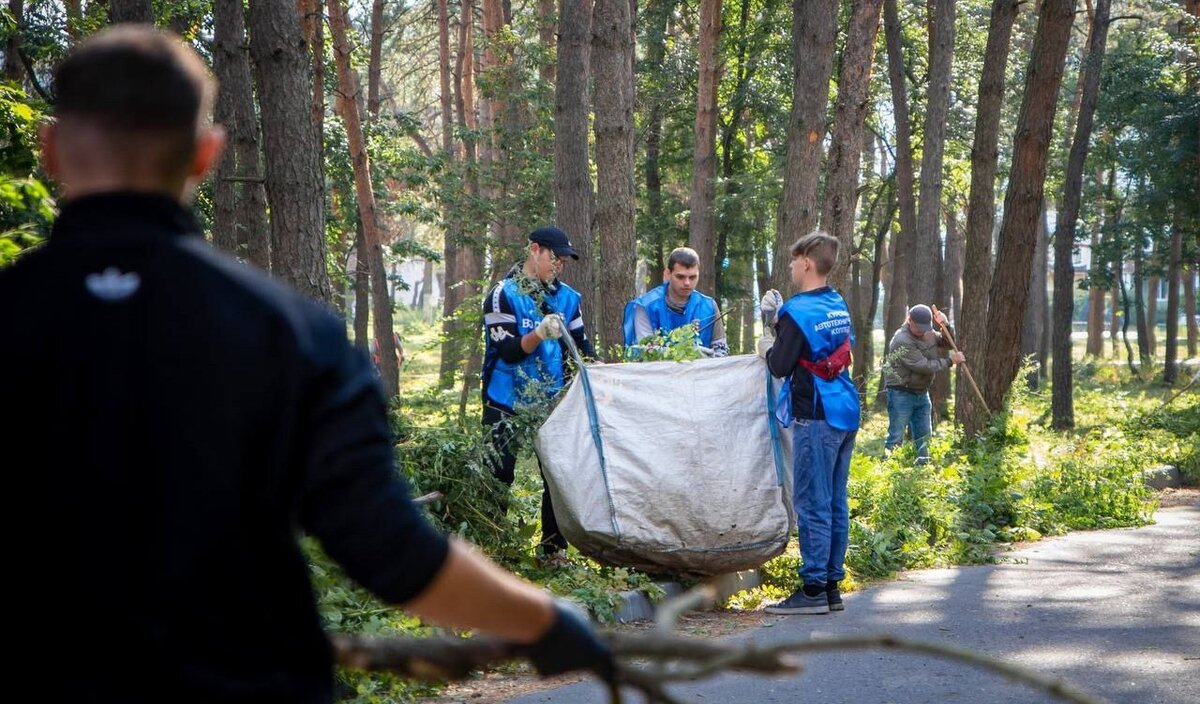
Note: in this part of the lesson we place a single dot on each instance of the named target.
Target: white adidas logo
(112, 285)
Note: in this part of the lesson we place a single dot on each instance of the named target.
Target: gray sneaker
(800, 603)
(834, 596)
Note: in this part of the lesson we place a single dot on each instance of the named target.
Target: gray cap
(921, 317)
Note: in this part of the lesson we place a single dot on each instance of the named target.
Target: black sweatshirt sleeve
(790, 345)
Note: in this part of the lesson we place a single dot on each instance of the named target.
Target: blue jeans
(821, 470)
(906, 408)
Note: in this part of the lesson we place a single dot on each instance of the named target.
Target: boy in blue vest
(677, 303)
(808, 341)
(525, 316)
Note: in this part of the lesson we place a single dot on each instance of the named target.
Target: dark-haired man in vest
(807, 341)
(525, 316)
(675, 304)
(167, 472)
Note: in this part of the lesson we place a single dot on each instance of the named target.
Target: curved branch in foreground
(675, 658)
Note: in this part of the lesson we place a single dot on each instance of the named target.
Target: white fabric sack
(691, 482)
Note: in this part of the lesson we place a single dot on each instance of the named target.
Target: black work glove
(570, 644)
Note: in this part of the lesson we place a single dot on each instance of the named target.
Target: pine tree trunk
(1153, 285)
(954, 266)
(702, 228)
(313, 26)
(1033, 330)
(14, 70)
(1139, 306)
(845, 151)
(981, 203)
(74, 11)
(1095, 320)
(814, 29)
(903, 239)
(572, 174)
(1189, 306)
(381, 300)
(468, 264)
(291, 145)
(923, 279)
(362, 288)
(240, 206)
(375, 60)
(131, 11)
(1062, 404)
(1009, 293)
(1170, 361)
(452, 232)
(613, 67)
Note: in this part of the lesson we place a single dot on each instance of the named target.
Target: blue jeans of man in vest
(820, 473)
(912, 410)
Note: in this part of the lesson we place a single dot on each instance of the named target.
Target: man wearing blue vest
(525, 316)
(807, 341)
(677, 303)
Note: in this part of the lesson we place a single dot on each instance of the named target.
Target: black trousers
(503, 465)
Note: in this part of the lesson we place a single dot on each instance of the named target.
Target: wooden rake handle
(965, 368)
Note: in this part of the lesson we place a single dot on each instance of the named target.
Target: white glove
(551, 327)
(770, 305)
(766, 342)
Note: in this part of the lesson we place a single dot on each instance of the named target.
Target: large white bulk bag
(671, 466)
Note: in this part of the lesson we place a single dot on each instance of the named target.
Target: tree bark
(981, 203)
(362, 288)
(901, 247)
(1009, 293)
(845, 151)
(141, 11)
(294, 177)
(814, 29)
(347, 104)
(702, 226)
(612, 63)
(313, 26)
(14, 70)
(1153, 285)
(1170, 361)
(572, 174)
(1189, 307)
(954, 266)
(240, 202)
(656, 15)
(1062, 403)
(451, 233)
(468, 264)
(375, 62)
(1095, 322)
(923, 277)
(1139, 305)
(547, 37)
(1032, 330)
(74, 10)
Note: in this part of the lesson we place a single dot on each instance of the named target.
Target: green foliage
(26, 206)
(678, 345)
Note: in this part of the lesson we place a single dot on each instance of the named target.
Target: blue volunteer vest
(825, 323)
(512, 385)
(699, 307)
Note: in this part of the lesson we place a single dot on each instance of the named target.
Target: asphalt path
(1117, 613)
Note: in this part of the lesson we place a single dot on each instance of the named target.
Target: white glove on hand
(766, 342)
(551, 327)
(770, 304)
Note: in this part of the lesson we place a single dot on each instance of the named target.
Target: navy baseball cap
(922, 317)
(555, 239)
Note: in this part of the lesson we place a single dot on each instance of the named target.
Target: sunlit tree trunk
(901, 247)
(814, 29)
(613, 67)
(1170, 361)
(845, 151)
(381, 301)
(702, 228)
(981, 204)
(291, 147)
(1023, 203)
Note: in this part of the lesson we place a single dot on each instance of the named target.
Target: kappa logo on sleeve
(499, 333)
